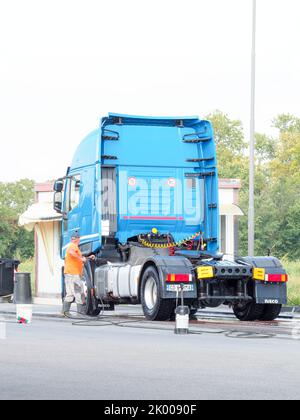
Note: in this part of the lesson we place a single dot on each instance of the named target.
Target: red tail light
(277, 278)
(179, 278)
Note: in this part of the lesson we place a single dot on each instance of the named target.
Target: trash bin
(23, 297)
(23, 291)
(7, 272)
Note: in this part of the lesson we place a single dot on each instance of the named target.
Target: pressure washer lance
(182, 316)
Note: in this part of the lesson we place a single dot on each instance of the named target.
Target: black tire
(155, 309)
(92, 306)
(271, 312)
(248, 311)
(193, 314)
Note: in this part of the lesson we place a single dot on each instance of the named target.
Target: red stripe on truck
(152, 218)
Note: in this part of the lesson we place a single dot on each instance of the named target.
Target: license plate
(177, 288)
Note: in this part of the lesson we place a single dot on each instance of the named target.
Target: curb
(35, 314)
(291, 309)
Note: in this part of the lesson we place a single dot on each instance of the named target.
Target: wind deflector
(120, 119)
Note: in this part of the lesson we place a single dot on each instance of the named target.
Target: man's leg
(80, 296)
(70, 295)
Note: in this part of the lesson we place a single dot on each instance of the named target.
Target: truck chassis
(255, 288)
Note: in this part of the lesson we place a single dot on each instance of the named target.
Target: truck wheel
(271, 312)
(248, 311)
(193, 314)
(92, 308)
(155, 308)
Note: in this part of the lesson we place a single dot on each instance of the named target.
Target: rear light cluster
(260, 274)
(179, 278)
(277, 278)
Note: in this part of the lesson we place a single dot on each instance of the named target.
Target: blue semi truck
(143, 195)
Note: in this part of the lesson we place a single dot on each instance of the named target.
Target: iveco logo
(273, 302)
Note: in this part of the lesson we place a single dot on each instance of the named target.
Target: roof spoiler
(120, 119)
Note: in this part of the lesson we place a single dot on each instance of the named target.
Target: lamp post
(251, 214)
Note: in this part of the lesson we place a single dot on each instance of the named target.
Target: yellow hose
(172, 245)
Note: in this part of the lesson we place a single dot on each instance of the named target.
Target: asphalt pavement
(54, 359)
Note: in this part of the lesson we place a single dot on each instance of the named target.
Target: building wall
(227, 223)
(49, 282)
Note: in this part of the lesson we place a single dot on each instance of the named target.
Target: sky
(66, 63)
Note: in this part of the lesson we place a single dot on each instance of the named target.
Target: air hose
(106, 321)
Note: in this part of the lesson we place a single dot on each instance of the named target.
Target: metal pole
(251, 214)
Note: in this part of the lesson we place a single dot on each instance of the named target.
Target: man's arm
(74, 254)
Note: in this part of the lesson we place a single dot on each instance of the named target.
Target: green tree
(277, 191)
(14, 200)
(230, 144)
(284, 187)
(228, 133)
(287, 123)
(277, 182)
(265, 148)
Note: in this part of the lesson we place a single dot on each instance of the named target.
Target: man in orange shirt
(74, 263)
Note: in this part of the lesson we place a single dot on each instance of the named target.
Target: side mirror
(58, 200)
(59, 186)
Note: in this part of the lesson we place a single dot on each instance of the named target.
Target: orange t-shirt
(73, 266)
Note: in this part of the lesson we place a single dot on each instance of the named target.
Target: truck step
(110, 138)
(201, 137)
(200, 174)
(110, 135)
(200, 160)
(107, 157)
(199, 140)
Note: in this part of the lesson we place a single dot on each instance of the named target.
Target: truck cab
(142, 192)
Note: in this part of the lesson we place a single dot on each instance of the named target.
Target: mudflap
(271, 293)
(268, 293)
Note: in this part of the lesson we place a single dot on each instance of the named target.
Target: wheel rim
(151, 293)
